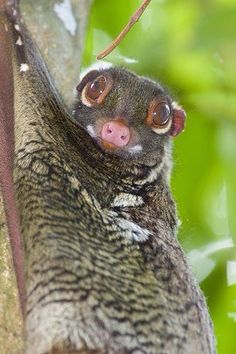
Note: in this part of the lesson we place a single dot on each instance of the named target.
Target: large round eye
(96, 88)
(160, 115)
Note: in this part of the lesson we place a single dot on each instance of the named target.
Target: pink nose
(116, 133)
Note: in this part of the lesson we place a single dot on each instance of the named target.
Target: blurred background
(190, 47)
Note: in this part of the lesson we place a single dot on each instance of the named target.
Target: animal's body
(104, 270)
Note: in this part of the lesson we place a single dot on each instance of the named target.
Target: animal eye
(160, 115)
(96, 88)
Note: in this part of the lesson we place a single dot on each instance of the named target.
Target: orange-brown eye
(96, 88)
(161, 115)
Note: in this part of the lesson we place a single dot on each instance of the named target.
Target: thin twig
(133, 19)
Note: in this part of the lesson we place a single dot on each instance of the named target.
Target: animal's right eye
(96, 88)
(161, 115)
(95, 92)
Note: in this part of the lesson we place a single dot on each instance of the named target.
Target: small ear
(178, 122)
(90, 76)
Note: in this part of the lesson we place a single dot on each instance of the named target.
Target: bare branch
(133, 19)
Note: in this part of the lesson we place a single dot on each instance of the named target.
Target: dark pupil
(161, 114)
(96, 88)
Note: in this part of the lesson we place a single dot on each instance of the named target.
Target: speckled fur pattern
(104, 271)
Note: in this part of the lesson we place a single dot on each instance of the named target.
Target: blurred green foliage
(190, 46)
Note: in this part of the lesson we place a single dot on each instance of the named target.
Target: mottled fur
(104, 270)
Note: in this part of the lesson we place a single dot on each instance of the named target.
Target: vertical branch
(7, 150)
(60, 42)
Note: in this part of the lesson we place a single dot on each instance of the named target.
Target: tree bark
(61, 47)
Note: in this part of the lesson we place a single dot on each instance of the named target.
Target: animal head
(126, 114)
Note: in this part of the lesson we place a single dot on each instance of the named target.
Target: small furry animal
(104, 272)
(132, 119)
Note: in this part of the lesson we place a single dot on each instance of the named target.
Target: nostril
(116, 133)
(109, 129)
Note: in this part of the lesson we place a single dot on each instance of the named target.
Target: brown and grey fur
(104, 271)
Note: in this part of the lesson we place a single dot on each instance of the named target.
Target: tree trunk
(60, 41)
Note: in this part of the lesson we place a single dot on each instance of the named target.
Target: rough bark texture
(62, 52)
(10, 318)
(60, 49)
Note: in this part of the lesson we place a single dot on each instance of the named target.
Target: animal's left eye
(96, 88)
(160, 115)
(95, 92)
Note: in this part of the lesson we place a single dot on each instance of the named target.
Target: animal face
(126, 115)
